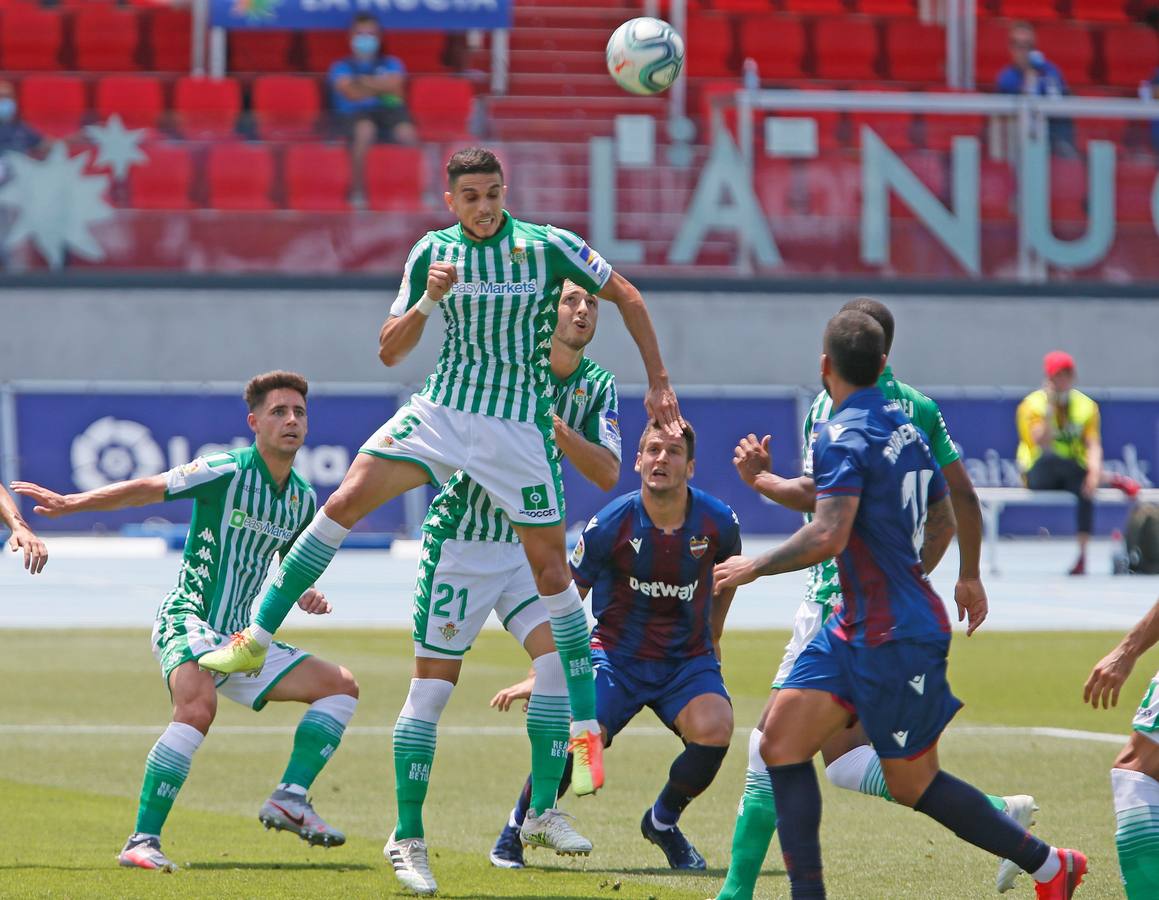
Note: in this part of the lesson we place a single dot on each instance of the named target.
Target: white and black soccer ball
(645, 55)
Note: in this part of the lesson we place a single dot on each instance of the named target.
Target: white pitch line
(1070, 734)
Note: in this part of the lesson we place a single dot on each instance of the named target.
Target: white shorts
(186, 638)
(514, 462)
(460, 583)
(1146, 720)
(808, 621)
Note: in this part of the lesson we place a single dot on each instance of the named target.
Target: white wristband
(426, 305)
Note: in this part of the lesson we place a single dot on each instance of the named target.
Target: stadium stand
(241, 176)
(55, 105)
(164, 181)
(137, 99)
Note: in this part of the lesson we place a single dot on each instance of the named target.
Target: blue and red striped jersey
(651, 591)
(870, 448)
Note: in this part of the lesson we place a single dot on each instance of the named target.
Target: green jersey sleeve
(601, 424)
(414, 277)
(203, 479)
(928, 417)
(569, 257)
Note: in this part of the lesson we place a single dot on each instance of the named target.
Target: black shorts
(385, 118)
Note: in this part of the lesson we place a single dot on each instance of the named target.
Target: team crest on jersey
(580, 396)
(449, 631)
(698, 545)
(190, 468)
(386, 441)
(518, 254)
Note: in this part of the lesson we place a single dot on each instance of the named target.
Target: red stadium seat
(1098, 10)
(993, 52)
(105, 38)
(743, 6)
(163, 181)
(137, 99)
(886, 7)
(286, 106)
(441, 106)
(1070, 49)
(846, 48)
(915, 52)
(1131, 55)
(260, 51)
(420, 51)
(395, 178)
(324, 48)
(317, 177)
(1032, 10)
(708, 46)
(1135, 180)
(206, 107)
(816, 7)
(30, 39)
(776, 43)
(55, 105)
(170, 39)
(240, 176)
(896, 129)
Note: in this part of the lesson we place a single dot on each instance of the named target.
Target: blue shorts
(624, 687)
(898, 690)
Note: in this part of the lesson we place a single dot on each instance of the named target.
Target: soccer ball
(645, 55)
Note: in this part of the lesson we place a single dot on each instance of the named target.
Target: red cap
(1057, 361)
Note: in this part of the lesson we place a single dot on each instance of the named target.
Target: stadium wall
(718, 339)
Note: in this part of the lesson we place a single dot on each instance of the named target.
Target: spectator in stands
(1060, 446)
(1030, 72)
(15, 135)
(368, 92)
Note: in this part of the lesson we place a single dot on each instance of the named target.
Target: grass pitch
(81, 709)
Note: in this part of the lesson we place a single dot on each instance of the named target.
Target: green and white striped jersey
(500, 313)
(240, 520)
(586, 401)
(823, 586)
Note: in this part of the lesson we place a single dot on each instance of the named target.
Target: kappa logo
(901, 737)
(918, 683)
(636, 544)
(698, 545)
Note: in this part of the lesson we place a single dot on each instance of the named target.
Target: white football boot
(409, 859)
(552, 831)
(1021, 808)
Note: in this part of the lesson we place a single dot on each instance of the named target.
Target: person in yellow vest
(1060, 447)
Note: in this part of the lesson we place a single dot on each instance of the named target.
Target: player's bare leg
(547, 555)
(1135, 786)
(370, 482)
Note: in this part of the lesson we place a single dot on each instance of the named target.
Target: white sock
(292, 789)
(566, 601)
(260, 635)
(756, 763)
(426, 699)
(1049, 868)
(848, 770)
(339, 707)
(181, 738)
(549, 678)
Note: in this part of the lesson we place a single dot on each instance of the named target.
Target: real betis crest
(519, 253)
(448, 631)
(698, 545)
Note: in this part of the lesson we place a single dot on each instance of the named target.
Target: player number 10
(444, 593)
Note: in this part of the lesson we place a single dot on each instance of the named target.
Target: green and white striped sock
(318, 736)
(414, 751)
(1137, 835)
(166, 768)
(756, 820)
(569, 628)
(303, 565)
(548, 720)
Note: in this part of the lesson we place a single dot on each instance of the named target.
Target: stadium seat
(709, 47)
(240, 176)
(206, 108)
(1070, 49)
(395, 178)
(317, 177)
(915, 52)
(137, 99)
(886, 7)
(54, 105)
(105, 39)
(846, 48)
(1135, 180)
(993, 52)
(776, 44)
(1098, 10)
(896, 129)
(260, 51)
(706, 92)
(815, 7)
(324, 48)
(169, 37)
(441, 106)
(163, 181)
(30, 39)
(1030, 10)
(1131, 55)
(285, 107)
(743, 6)
(420, 51)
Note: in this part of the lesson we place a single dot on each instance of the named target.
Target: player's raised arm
(424, 285)
(660, 401)
(35, 553)
(50, 504)
(754, 464)
(1108, 676)
(595, 462)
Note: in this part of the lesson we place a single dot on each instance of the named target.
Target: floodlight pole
(678, 93)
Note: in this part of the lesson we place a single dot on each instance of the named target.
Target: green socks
(165, 771)
(414, 751)
(1137, 835)
(302, 566)
(756, 820)
(317, 737)
(548, 721)
(569, 628)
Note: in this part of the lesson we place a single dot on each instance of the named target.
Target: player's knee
(347, 684)
(905, 791)
(773, 750)
(198, 713)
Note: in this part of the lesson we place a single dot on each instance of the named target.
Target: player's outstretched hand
(1107, 678)
(35, 553)
(522, 691)
(314, 602)
(49, 504)
(970, 595)
(733, 572)
(751, 457)
(440, 277)
(662, 406)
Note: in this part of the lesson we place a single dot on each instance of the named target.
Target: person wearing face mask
(15, 134)
(368, 95)
(1060, 446)
(1030, 72)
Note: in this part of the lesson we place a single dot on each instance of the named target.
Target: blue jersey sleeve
(1010, 81)
(839, 461)
(340, 69)
(729, 535)
(391, 65)
(592, 551)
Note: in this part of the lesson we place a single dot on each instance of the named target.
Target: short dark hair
(686, 432)
(362, 18)
(259, 387)
(472, 161)
(877, 311)
(855, 343)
